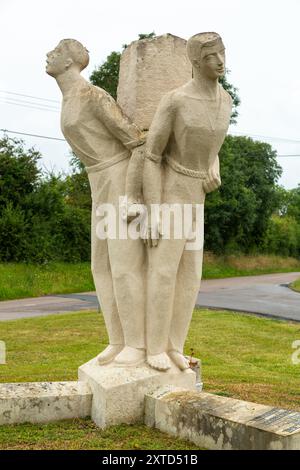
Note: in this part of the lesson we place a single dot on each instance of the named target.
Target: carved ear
(69, 62)
(196, 63)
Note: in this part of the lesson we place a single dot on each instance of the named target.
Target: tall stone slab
(149, 69)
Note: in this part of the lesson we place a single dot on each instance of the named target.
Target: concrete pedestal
(119, 393)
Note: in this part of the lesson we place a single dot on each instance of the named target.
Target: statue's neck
(68, 80)
(205, 86)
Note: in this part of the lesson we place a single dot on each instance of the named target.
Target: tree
(233, 91)
(19, 172)
(237, 214)
(107, 75)
(293, 205)
(78, 191)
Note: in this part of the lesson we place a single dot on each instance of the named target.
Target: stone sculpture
(181, 167)
(147, 293)
(103, 138)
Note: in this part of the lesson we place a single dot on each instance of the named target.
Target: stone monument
(109, 145)
(147, 290)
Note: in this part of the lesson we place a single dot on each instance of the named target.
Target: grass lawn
(83, 434)
(243, 357)
(19, 280)
(296, 285)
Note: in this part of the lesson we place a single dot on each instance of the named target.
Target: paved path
(266, 295)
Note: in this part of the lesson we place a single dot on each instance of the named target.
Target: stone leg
(127, 260)
(186, 291)
(102, 276)
(163, 266)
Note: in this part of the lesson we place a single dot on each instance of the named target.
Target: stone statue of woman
(181, 167)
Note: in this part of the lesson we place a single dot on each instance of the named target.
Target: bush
(13, 228)
(282, 236)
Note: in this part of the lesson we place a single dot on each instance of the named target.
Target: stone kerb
(221, 423)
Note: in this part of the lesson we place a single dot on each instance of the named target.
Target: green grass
(19, 280)
(296, 285)
(243, 356)
(83, 434)
(215, 267)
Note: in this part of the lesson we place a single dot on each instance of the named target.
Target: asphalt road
(266, 295)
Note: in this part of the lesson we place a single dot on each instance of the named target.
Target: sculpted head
(206, 52)
(68, 54)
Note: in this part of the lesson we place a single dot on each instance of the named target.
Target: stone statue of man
(103, 138)
(181, 167)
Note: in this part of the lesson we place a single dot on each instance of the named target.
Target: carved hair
(79, 54)
(198, 41)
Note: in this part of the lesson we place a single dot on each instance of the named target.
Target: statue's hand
(212, 182)
(151, 231)
(130, 210)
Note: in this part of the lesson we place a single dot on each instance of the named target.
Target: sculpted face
(212, 61)
(58, 61)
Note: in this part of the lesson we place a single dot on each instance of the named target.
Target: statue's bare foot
(109, 354)
(159, 361)
(179, 360)
(130, 357)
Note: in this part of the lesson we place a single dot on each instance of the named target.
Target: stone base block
(220, 423)
(119, 393)
(42, 402)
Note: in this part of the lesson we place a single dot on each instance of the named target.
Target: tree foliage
(38, 221)
(237, 214)
(233, 91)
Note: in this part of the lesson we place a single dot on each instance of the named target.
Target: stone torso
(199, 127)
(83, 129)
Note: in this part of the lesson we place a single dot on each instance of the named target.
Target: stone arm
(157, 140)
(120, 126)
(213, 180)
(109, 112)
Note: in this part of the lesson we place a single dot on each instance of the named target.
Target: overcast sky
(262, 45)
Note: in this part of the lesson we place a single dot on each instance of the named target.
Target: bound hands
(131, 209)
(213, 180)
(151, 229)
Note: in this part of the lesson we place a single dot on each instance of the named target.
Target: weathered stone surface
(119, 392)
(149, 69)
(222, 423)
(42, 402)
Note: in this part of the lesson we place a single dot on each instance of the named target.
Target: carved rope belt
(113, 161)
(201, 174)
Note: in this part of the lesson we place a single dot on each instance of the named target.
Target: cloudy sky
(261, 37)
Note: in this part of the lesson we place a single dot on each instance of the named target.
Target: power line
(28, 96)
(17, 100)
(43, 107)
(63, 140)
(39, 107)
(33, 135)
(283, 139)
